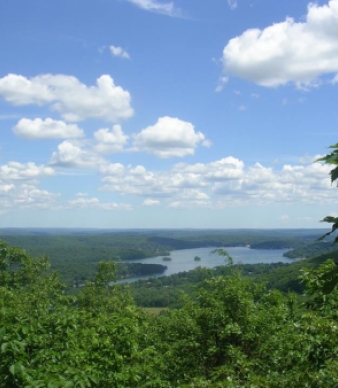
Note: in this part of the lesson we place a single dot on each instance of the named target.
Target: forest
(230, 322)
(75, 254)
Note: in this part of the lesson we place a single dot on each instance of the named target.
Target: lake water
(183, 259)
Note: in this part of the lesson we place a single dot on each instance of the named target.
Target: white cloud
(23, 195)
(6, 188)
(169, 137)
(18, 187)
(221, 83)
(84, 203)
(232, 4)
(18, 171)
(185, 181)
(112, 169)
(298, 52)
(151, 202)
(68, 96)
(115, 206)
(136, 181)
(292, 184)
(156, 6)
(224, 169)
(110, 141)
(19, 90)
(223, 183)
(188, 204)
(119, 52)
(71, 154)
(31, 197)
(46, 129)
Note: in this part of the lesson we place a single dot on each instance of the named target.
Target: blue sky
(156, 114)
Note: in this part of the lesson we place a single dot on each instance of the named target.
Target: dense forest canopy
(231, 324)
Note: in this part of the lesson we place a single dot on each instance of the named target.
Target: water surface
(183, 259)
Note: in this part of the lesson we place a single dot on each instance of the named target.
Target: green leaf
(25, 329)
(334, 174)
(16, 368)
(4, 347)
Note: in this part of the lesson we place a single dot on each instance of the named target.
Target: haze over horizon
(157, 114)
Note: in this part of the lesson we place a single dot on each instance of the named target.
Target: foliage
(331, 159)
(309, 250)
(232, 332)
(51, 340)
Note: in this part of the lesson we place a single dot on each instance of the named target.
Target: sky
(167, 114)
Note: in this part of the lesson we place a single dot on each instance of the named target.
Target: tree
(49, 339)
(329, 278)
(331, 159)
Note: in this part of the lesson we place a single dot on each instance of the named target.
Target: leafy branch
(332, 159)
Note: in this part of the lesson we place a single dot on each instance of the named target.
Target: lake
(183, 259)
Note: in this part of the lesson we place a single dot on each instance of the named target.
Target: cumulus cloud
(110, 141)
(156, 6)
(46, 129)
(29, 196)
(24, 195)
(290, 51)
(292, 184)
(119, 52)
(6, 188)
(115, 206)
(228, 168)
(112, 169)
(68, 96)
(84, 202)
(151, 202)
(71, 154)
(223, 183)
(133, 180)
(183, 180)
(189, 204)
(169, 137)
(94, 203)
(19, 171)
(18, 187)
